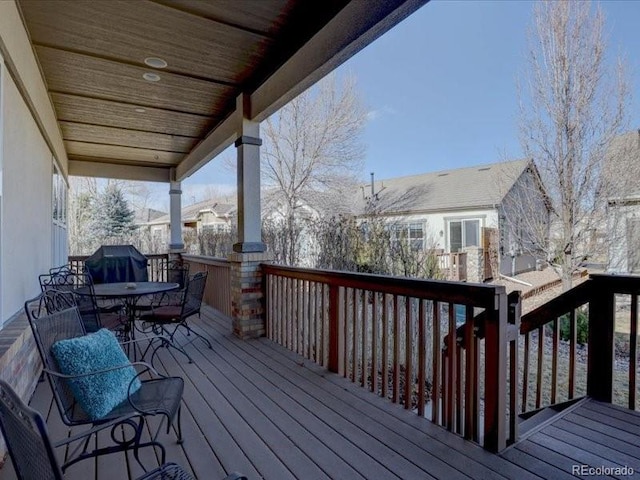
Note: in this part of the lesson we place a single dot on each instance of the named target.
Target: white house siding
(436, 225)
(523, 199)
(624, 237)
(26, 227)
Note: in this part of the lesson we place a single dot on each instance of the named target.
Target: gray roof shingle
(190, 212)
(454, 189)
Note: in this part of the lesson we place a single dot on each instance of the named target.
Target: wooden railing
(217, 292)
(453, 265)
(391, 335)
(156, 265)
(558, 371)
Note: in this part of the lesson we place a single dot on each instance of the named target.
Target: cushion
(96, 394)
(163, 314)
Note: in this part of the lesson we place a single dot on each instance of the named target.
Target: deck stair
(533, 421)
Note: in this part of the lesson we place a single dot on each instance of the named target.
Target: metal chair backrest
(178, 272)
(53, 300)
(70, 281)
(193, 294)
(62, 269)
(47, 329)
(25, 433)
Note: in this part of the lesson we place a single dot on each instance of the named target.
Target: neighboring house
(624, 225)
(208, 215)
(623, 207)
(145, 215)
(455, 210)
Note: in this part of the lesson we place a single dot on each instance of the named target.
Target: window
(412, 233)
(59, 218)
(464, 233)
(59, 192)
(215, 228)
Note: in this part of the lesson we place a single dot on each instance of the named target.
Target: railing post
(601, 343)
(515, 314)
(334, 328)
(495, 385)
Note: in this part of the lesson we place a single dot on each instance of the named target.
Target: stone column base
(247, 295)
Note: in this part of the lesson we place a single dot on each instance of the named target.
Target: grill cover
(117, 263)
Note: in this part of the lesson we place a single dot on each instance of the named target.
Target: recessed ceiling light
(155, 62)
(140, 110)
(151, 77)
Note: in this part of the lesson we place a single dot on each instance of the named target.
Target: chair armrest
(147, 368)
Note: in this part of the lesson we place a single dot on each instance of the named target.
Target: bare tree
(82, 194)
(573, 105)
(312, 145)
(378, 239)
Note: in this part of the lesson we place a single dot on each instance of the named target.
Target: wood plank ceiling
(92, 56)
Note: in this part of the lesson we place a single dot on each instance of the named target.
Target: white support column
(176, 243)
(249, 215)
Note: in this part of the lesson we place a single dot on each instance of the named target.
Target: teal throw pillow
(101, 393)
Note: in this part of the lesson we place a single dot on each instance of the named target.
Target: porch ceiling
(114, 123)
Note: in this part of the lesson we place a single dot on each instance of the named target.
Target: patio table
(130, 293)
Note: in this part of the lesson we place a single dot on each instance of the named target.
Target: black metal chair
(158, 395)
(32, 452)
(62, 269)
(176, 272)
(176, 313)
(94, 315)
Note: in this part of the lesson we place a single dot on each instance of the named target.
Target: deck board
(303, 396)
(607, 453)
(260, 393)
(255, 407)
(593, 433)
(365, 431)
(599, 438)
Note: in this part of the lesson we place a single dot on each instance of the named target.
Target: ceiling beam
(353, 28)
(82, 168)
(221, 137)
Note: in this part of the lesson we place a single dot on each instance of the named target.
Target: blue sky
(441, 88)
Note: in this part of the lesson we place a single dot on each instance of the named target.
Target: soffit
(92, 53)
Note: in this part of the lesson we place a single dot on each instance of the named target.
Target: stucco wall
(26, 202)
(523, 211)
(618, 236)
(436, 223)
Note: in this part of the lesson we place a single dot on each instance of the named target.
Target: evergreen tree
(112, 216)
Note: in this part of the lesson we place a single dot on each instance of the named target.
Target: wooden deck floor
(254, 407)
(592, 433)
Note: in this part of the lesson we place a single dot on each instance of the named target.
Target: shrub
(582, 327)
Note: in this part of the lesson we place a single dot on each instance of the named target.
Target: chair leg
(166, 341)
(178, 427)
(163, 453)
(190, 331)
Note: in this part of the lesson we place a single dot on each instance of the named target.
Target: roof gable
(469, 187)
